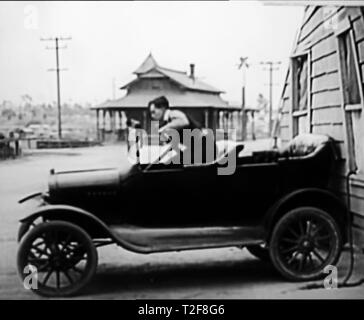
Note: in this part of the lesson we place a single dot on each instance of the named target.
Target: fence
(13, 147)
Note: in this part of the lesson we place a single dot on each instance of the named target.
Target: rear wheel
(61, 255)
(304, 241)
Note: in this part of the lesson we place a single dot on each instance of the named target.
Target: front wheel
(304, 241)
(60, 255)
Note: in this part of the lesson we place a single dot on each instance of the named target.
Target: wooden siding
(330, 115)
(335, 131)
(325, 81)
(325, 65)
(326, 98)
(316, 36)
(356, 195)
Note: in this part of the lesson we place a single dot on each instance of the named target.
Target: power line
(271, 68)
(57, 69)
(113, 88)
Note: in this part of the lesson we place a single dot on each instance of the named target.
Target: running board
(148, 240)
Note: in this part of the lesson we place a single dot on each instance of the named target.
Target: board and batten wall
(318, 36)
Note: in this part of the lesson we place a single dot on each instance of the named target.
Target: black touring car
(277, 204)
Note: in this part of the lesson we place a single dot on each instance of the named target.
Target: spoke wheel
(304, 241)
(62, 254)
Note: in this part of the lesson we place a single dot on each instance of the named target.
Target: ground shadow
(165, 275)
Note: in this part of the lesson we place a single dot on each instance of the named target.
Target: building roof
(150, 69)
(195, 94)
(186, 81)
(188, 99)
(148, 64)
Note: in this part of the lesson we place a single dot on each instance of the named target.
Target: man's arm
(178, 120)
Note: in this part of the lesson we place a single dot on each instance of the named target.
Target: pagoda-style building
(184, 92)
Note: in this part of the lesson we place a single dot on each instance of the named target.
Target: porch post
(144, 120)
(103, 125)
(97, 125)
(112, 121)
(120, 120)
(206, 118)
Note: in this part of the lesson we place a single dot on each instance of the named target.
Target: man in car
(175, 119)
(170, 119)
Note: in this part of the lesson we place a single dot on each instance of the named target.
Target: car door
(248, 193)
(178, 195)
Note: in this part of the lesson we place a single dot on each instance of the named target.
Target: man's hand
(164, 137)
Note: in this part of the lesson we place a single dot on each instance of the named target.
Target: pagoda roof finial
(148, 64)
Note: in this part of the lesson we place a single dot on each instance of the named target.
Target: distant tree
(8, 113)
(27, 99)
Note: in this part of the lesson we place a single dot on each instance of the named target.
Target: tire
(259, 252)
(304, 241)
(62, 253)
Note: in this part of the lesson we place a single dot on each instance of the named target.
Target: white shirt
(175, 119)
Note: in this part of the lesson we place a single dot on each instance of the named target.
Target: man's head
(157, 107)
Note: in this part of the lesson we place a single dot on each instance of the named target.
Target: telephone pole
(113, 88)
(243, 65)
(271, 68)
(57, 47)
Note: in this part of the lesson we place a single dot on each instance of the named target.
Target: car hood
(106, 179)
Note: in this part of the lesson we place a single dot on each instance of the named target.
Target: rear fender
(314, 197)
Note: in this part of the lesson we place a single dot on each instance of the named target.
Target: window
(300, 93)
(348, 70)
(352, 97)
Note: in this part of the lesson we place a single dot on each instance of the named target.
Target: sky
(111, 39)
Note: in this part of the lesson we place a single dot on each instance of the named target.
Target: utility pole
(271, 68)
(113, 88)
(243, 65)
(57, 47)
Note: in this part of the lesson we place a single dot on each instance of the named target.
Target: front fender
(82, 218)
(31, 196)
(95, 227)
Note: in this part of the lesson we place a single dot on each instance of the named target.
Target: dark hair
(160, 102)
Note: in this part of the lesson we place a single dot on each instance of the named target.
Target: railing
(13, 147)
(55, 144)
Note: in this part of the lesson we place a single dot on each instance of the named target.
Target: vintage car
(277, 204)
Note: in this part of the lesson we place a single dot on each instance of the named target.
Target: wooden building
(323, 93)
(184, 92)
